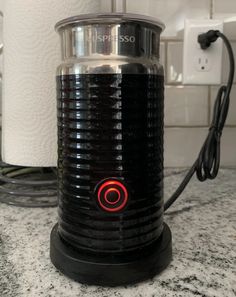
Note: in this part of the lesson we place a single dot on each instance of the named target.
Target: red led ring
(112, 183)
(112, 190)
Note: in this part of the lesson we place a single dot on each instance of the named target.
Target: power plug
(201, 66)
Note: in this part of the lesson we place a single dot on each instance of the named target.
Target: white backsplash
(186, 106)
(182, 145)
(171, 12)
(188, 109)
(223, 9)
(174, 63)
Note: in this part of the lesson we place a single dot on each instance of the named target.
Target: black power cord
(28, 186)
(207, 163)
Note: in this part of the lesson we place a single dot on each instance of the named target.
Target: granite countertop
(203, 224)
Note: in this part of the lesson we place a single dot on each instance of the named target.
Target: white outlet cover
(202, 67)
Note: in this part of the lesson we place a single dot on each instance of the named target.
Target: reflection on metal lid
(109, 17)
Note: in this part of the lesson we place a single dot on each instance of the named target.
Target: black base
(111, 271)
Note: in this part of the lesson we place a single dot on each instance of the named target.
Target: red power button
(112, 195)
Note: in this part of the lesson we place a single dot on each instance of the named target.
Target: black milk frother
(110, 98)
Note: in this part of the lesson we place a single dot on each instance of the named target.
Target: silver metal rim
(108, 18)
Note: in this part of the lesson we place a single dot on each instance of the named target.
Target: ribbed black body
(110, 126)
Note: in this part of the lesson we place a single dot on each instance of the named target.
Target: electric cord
(207, 163)
(25, 186)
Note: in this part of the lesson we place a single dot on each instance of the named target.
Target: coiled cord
(29, 190)
(207, 163)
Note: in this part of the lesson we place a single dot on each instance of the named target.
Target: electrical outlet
(202, 63)
(201, 66)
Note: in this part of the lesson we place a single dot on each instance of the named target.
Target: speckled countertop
(203, 224)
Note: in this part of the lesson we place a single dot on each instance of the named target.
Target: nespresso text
(120, 38)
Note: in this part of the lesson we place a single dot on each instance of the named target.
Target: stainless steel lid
(86, 19)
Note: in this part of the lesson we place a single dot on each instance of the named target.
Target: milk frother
(110, 90)
(110, 98)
